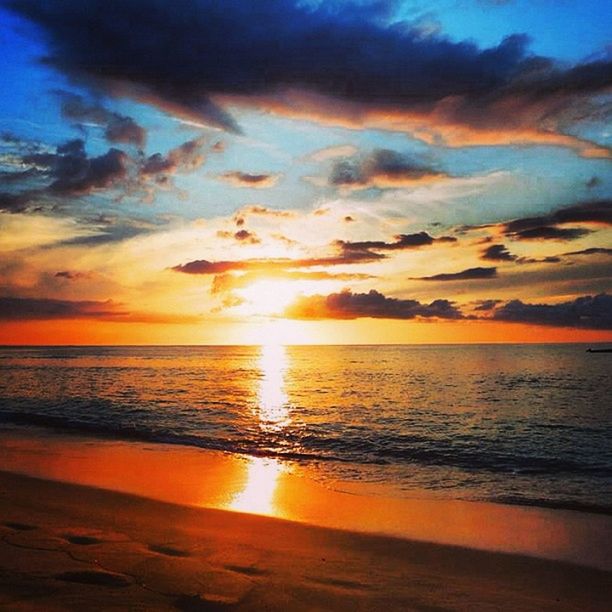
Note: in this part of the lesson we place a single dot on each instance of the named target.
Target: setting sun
(267, 297)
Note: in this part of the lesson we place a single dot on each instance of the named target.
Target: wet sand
(69, 547)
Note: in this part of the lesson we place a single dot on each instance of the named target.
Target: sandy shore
(69, 547)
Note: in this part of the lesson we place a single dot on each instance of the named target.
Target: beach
(304, 478)
(68, 547)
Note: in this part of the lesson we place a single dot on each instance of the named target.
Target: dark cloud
(550, 232)
(76, 174)
(546, 227)
(348, 305)
(597, 211)
(16, 202)
(45, 309)
(402, 241)
(182, 55)
(9, 178)
(552, 226)
(71, 275)
(591, 251)
(382, 168)
(15, 309)
(588, 312)
(186, 157)
(247, 237)
(469, 274)
(244, 179)
(117, 128)
(497, 252)
(202, 266)
(69, 171)
(244, 236)
(486, 305)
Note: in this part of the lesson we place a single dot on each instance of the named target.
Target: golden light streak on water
(262, 473)
(273, 406)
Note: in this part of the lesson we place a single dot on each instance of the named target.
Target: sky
(368, 171)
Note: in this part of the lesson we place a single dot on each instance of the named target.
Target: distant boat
(592, 350)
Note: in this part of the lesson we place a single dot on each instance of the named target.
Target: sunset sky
(239, 172)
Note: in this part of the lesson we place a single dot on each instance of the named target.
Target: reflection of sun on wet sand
(260, 488)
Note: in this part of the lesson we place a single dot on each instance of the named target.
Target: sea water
(522, 424)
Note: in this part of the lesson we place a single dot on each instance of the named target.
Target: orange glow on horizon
(257, 331)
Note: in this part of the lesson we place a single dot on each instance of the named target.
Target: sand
(70, 547)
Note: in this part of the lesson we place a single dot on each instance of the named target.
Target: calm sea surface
(514, 424)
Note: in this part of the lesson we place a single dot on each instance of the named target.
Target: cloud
(553, 226)
(347, 62)
(69, 171)
(16, 309)
(382, 168)
(228, 281)
(244, 179)
(202, 266)
(590, 251)
(402, 242)
(469, 274)
(348, 305)
(486, 305)
(34, 231)
(72, 275)
(546, 227)
(549, 232)
(243, 236)
(497, 252)
(76, 174)
(117, 128)
(16, 202)
(257, 210)
(186, 157)
(44, 309)
(588, 312)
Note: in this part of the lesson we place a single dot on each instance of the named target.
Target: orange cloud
(455, 121)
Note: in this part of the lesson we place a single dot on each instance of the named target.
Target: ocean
(514, 424)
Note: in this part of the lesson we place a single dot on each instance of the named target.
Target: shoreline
(209, 479)
(66, 546)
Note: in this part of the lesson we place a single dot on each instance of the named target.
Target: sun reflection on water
(273, 407)
(272, 411)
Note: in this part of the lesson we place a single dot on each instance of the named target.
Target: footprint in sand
(248, 570)
(107, 579)
(82, 540)
(204, 603)
(19, 526)
(168, 550)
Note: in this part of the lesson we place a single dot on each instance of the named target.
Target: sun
(268, 297)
